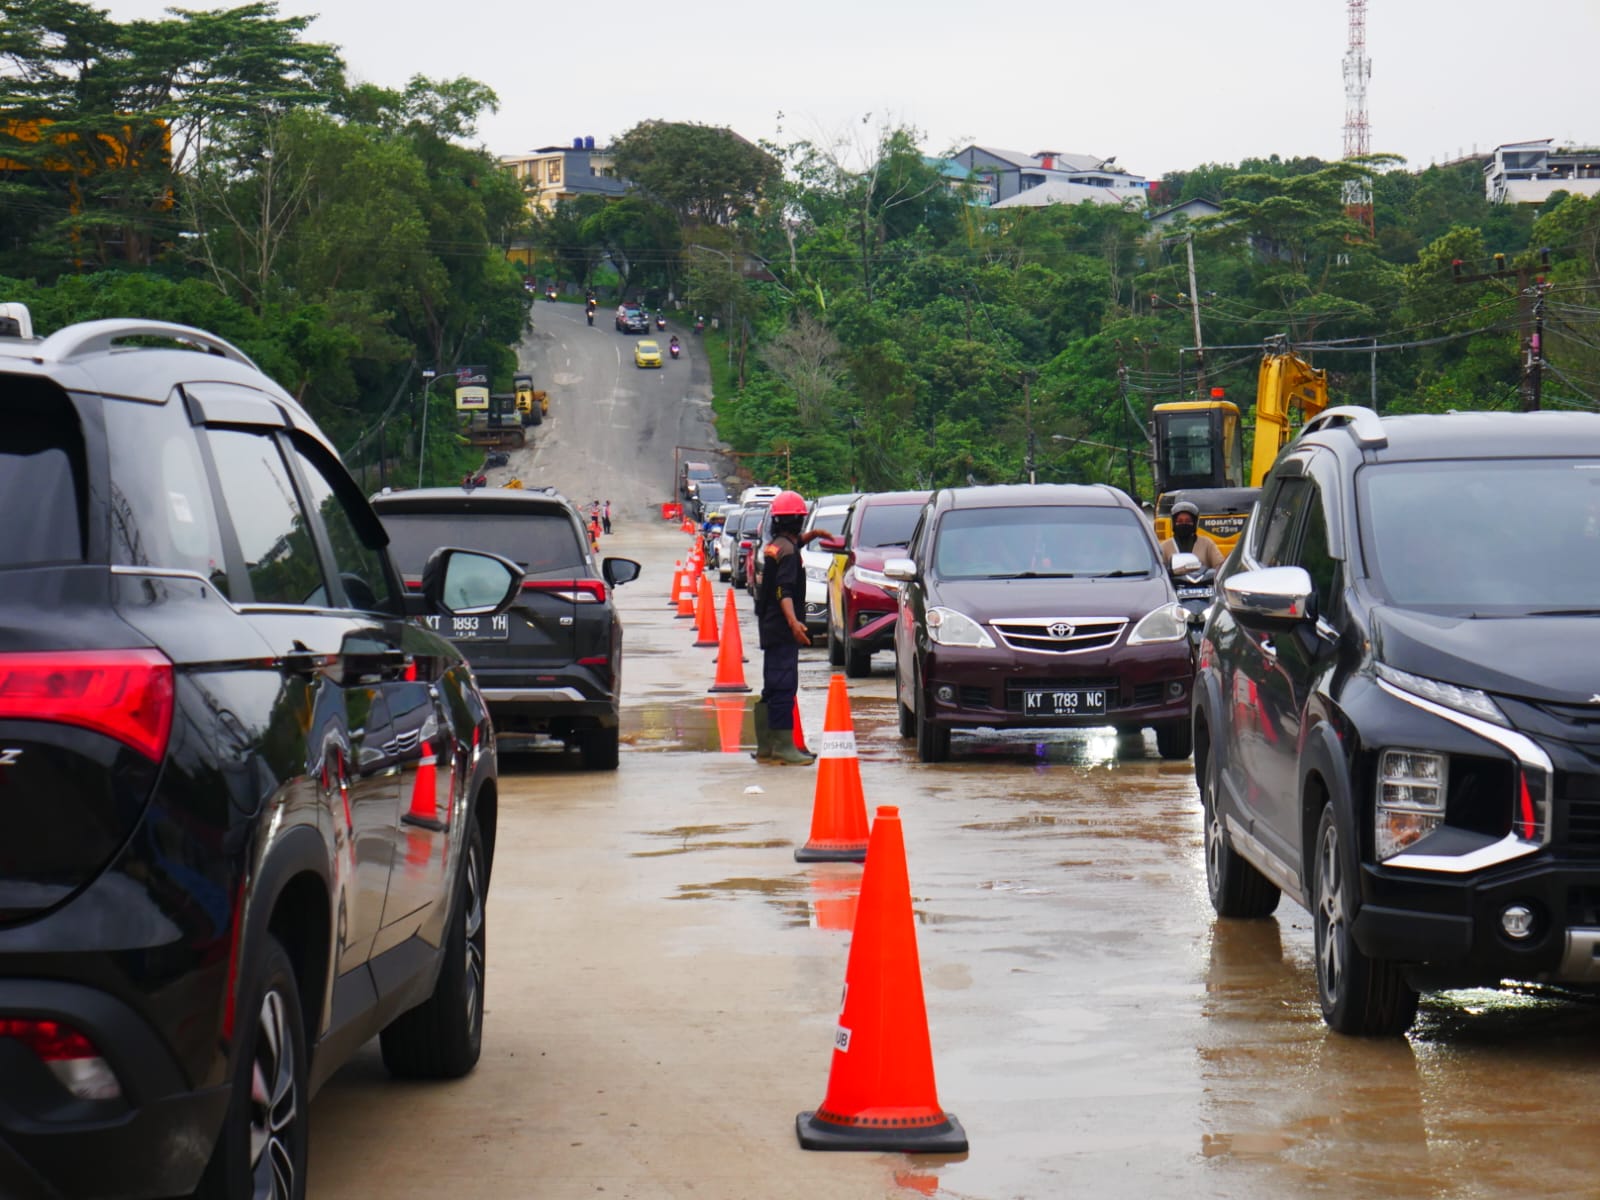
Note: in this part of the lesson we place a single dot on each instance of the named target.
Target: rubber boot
(785, 751)
(763, 751)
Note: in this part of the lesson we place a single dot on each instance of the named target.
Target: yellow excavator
(1199, 443)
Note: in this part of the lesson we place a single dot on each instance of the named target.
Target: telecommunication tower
(1357, 132)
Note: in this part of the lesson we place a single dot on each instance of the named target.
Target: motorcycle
(550, 294)
(1196, 587)
(674, 349)
(661, 321)
(590, 315)
(699, 324)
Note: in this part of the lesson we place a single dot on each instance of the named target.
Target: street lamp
(429, 378)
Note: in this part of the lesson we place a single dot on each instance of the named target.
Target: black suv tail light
(579, 591)
(125, 694)
(71, 1057)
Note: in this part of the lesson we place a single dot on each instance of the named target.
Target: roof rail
(1364, 424)
(98, 337)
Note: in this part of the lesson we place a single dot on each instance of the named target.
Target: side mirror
(1184, 564)
(1271, 594)
(467, 583)
(831, 545)
(619, 571)
(900, 568)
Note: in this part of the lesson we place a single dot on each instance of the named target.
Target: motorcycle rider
(1186, 538)
(780, 603)
(672, 347)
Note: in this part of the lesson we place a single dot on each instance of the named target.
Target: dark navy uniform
(782, 577)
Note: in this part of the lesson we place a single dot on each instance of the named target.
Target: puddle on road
(819, 899)
(691, 838)
(707, 725)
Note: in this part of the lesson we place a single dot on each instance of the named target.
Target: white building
(1528, 172)
(1072, 178)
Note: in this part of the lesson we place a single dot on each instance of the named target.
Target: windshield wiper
(1564, 612)
(1034, 575)
(1115, 574)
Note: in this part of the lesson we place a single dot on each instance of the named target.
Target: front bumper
(1451, 923)
(866, 608)
(1144, 685)
(154, 1141)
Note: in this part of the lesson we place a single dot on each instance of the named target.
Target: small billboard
(472, 389)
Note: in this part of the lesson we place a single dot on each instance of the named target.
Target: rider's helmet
(1185, 507)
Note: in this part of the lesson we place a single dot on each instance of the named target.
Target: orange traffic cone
(686, 592)
(677, 585)
(687, 526)
(730, 653)
(706, 617)
(799, 730)
(881, 1094)
(730, 714)
(839, 812)
(424, 810)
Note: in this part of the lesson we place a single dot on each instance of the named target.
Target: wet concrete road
(664, 980)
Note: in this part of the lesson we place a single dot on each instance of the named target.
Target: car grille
(1578, 796)
(976, 697)
(1060, 635)
(1015, 688)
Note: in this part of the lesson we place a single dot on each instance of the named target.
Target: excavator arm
(1284, 382)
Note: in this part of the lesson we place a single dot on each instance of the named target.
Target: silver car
(726, 543)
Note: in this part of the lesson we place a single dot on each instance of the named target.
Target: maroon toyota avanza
(1037, 606)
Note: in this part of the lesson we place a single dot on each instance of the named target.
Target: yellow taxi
(646, 354)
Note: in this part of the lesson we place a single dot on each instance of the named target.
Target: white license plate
(1065, 702)
(471, 629)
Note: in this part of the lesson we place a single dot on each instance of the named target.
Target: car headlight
(817, 574)
(1410, 803)
(1470, 701)
(948, 627)
(1169, 623)
(877, 579)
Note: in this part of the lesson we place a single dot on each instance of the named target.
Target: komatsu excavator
(1199, 443)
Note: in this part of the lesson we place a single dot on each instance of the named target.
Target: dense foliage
(213, 168)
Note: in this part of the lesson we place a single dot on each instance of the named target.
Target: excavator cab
(1200, 458)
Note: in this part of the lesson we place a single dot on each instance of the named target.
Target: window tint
(1279, 521)
(888, 524)
(989, 543)
(543, 544)
(366, 584)
(279, 557)
(1314, 555)
(161, 508)
(41, 475)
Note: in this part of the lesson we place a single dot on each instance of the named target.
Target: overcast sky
(1161, 84)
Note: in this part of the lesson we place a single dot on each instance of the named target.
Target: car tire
(933, 741)
(599, 749)
(1236, 888)
(1175, 739)
(835, 649)
(442, 1037)
(857, 661)
(270, 1101)
(908, 719)
(1360, 995)
(536, 417)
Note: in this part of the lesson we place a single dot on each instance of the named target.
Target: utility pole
(1531, 288)
(1027, 378)
(1194, 309)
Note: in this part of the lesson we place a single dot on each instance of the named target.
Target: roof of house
(1194, 206)
(1060, 192)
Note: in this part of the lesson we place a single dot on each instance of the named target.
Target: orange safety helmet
(788, 504)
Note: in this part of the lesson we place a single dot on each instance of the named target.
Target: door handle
(304, 661)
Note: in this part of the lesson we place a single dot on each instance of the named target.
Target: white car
(759, 495)
(725, 542)
(827, 513)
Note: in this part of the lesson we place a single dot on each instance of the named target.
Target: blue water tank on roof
(588, 143)
(577, 143)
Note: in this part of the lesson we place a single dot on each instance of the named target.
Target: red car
(862, 600)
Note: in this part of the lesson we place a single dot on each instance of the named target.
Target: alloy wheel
(474, 947)
(1330, 913)
(274, 1103)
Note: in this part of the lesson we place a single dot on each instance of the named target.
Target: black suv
(553, 664)
(1397, 712)
(249, 804)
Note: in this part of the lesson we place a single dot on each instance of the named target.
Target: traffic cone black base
(883, 1134)
(809, 853)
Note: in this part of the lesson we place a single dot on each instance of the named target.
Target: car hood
(1538, 658)
(988, 600)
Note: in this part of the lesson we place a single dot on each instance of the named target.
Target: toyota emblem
(1060, 629)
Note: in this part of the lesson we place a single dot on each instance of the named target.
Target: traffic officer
(780, 605)
(1186, 538)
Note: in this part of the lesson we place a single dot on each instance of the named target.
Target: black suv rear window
(542, 543)
(41, 475)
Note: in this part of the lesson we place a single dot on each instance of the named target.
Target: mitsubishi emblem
(1060, 629)
(1595, 699)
